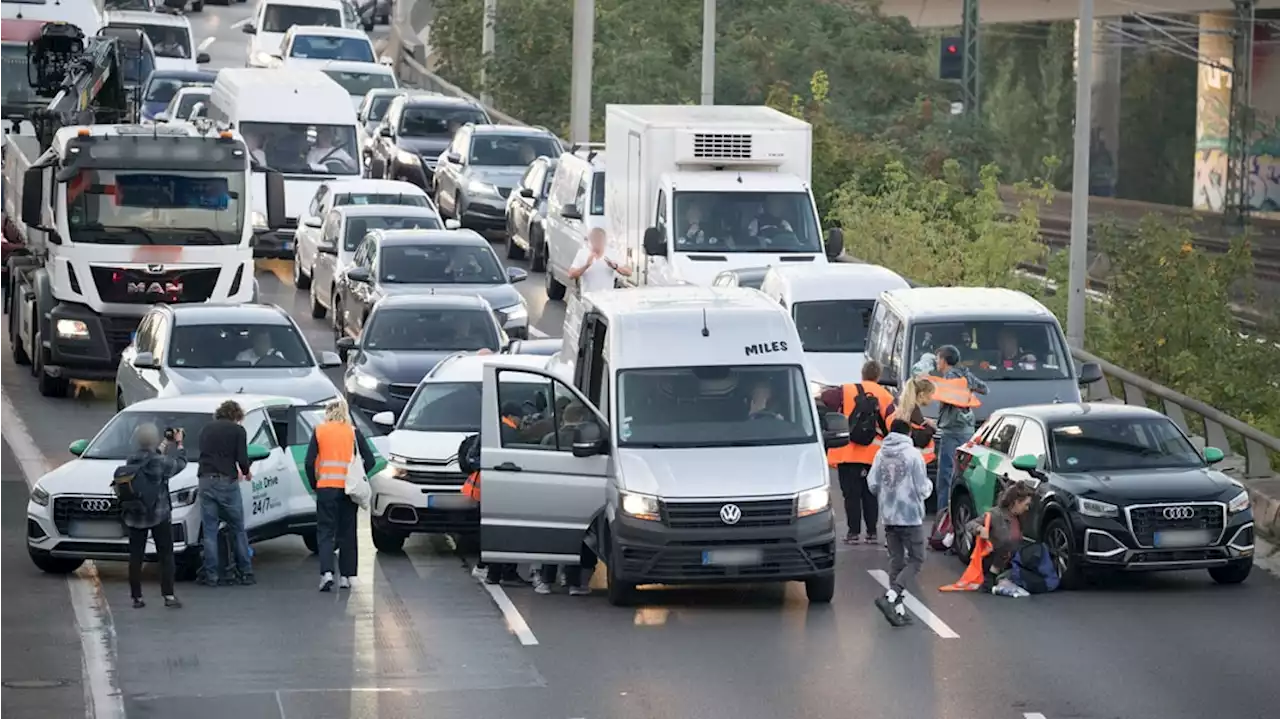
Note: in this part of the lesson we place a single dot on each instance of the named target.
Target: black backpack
(469, 454)
(865, 420)
(122, 485)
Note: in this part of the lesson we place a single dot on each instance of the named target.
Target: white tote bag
(357, 484)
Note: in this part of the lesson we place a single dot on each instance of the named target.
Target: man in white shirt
(261, 348)
(592, 269)
(324, 151)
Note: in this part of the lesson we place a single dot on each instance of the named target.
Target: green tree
(1157, 152)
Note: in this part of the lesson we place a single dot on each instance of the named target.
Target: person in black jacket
(224, 463)
(153, 464)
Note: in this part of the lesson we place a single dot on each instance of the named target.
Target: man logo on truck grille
(730, 514)
(154, 288)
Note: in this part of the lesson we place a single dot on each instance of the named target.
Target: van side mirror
(248, 29)
(385, 131)
(835, 430)
(589, 439)
(454, 157)
(145, 360)
(258, 452)
(571, 212)
(313, 222)
(1213, 455)
(78, 447)
(526, 192)
(835, 242)
(1090, 372)
(275, 200)
(33, 197)
(162, 117)
(202, 58)
(655, 245)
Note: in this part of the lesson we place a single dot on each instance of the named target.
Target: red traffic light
(952, 49)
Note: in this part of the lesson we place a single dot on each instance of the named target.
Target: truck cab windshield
(745, 222)
(714, 406)
(153, 207)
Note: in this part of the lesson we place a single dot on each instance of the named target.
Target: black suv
(413, 133)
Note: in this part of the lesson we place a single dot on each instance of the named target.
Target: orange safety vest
(471, 487)
(972, 579)
(510, 422)
(928, 451)
(954, 392)
(858, 453)
(336, 445)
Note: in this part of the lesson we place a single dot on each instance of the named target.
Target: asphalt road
(419, 637)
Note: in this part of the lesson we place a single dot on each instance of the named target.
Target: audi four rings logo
(1179, 512)
(95, 505)
(730, 514)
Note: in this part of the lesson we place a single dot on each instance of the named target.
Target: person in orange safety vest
(329, 454)
(853, 461)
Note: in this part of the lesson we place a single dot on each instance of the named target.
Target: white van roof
(321, 100)
(836, 281)
(969, 303)
(306, 3)
(329, 31)
(664, 327)
(139, 17)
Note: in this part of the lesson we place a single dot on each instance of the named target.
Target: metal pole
(1079, 266)
(971, 74)
(708, 52)
(584, 30)
(486, 50)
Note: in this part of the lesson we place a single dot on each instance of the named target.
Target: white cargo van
(298, 122)
(697, 190)
(831, 305)
(273, 18)
(686, 449)
(575, 207)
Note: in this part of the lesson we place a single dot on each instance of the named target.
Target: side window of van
(660, 221)
(538, 413)
(875, 344)
(898, 356)
(318, 200)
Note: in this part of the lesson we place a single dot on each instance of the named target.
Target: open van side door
(536, 498)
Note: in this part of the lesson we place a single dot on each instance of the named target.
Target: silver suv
(476, 172)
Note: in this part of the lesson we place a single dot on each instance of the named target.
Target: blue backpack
(1034, 569)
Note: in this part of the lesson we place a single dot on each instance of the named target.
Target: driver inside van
(1011, 354)
(325, 151)
(758, 406)
(695, 228)
(770, 220)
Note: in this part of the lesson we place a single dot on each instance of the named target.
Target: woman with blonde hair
(333, 446)
(917, 393)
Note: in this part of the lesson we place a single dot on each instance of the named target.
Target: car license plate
(732, 557)
(1183, 538)
(287, 245)
(449, 501)
(96, 529)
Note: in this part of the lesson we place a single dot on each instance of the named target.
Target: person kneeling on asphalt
(224, 462)
(329, 454)
(1004, 532)
(148, 511)
(898, 479)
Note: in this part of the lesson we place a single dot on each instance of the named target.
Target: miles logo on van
(766, 348)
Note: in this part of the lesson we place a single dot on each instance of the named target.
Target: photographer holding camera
(151, 467)
(224, 462)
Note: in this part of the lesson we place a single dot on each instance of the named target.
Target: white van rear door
(536, 499)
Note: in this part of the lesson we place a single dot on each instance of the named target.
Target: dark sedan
(526, 210)
(406, 336)
(415, 131)
(164, 84)
(1117, 488)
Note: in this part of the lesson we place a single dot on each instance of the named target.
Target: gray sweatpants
(906, 555)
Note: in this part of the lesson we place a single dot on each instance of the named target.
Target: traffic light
(951, 58)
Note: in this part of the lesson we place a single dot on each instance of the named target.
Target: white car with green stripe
(72, 514)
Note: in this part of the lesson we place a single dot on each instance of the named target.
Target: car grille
(401, 391)
(119, 332)
(678, 563)
(419, 475)
(505, 192)
(706, 515)
(1145, 521)
(68, 509)
(130, 286)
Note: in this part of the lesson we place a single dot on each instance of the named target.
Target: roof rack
(589, 149)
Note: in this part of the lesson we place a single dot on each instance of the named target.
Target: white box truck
(695, 190)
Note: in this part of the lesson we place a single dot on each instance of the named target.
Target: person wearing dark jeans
(224, 461)
(859, 502)
(336, 530)
(576, 577)
(334, 444)
(148, 510)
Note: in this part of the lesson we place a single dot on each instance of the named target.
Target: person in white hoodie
(898, 479)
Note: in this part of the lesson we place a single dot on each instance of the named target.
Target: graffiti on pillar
(1261, 181)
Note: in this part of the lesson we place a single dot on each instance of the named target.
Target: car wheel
(317, 309)
(20, 356)
(514, 251)
(50, 564)
(50, 386)
(537, 253)
(187, 566)
(1057, 535)
(820, 590)
(309, 539)
(962, 512)
(337, 319)
(555, 290)
(1233, 573)
(387, 541)
(119, 399)
(621, 594)
(301, 280)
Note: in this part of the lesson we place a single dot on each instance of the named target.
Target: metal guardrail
(410, 57)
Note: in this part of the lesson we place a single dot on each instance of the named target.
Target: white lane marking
(280, 705)
(515, 622)
(241, 23)
(938, 626)
(103, 699)
(205, 43)
(1032, 715)
(537, 333)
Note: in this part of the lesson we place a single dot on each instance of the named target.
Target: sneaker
(344, 582)
(540, 587)
(326, 581)
(479, 573)
(205, 580)
(870, 538)
(138, 603)
(851, 538)
(901, 611)
(172, 602)
(579, 591)
(247, 580)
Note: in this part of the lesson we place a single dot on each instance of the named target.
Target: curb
(1266, 555)
(1266, 508)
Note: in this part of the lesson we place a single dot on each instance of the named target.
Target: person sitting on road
(1004, 531)
(262, 348)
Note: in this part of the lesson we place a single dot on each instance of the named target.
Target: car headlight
(1238, 503)
(641, 506)
(515, 312)
(259, 220)
(407, 158)
(39, 496)
(183, 497)
(813, 501)
(1094, 508)
(363, 381)
(482, 188)
(72, 329)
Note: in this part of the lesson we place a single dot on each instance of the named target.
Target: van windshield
(994, 350)
(303, 149)
(714, 406)
(833, 325)
(745, 222)
(279, 18)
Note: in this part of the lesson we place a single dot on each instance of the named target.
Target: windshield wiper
(146, 234)
(205, 236)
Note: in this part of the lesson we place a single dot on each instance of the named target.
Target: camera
(170, 433)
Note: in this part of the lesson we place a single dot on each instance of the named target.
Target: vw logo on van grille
(1179, 512)
(95, 505)
(730, 514)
